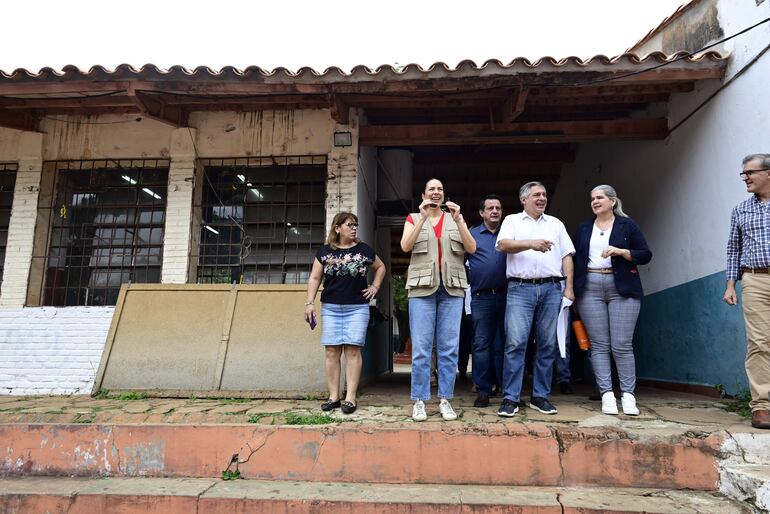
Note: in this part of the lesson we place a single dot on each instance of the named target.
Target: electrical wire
(720, 89)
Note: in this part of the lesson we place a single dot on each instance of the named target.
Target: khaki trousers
(756, 313)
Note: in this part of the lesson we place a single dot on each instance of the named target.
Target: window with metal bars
(7, 184)
(262, 219)
(107, 229)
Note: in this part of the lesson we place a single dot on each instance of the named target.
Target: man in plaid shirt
(748, 259)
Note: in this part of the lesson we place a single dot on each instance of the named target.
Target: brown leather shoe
(760, 419)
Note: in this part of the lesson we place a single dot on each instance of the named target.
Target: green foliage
(292, 418)
(84, 418)
(400, 294)
(231, 474)
(132, 395)
(232, 400)
(739, 402)
(101, 394)
(256, 418)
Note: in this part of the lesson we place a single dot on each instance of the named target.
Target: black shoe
(566, 388)
(595, 396)
(348, 407)
(482, 400)
(542, 405)
(508, 409)
(330, 405)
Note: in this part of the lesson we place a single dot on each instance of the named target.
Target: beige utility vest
(422, 278)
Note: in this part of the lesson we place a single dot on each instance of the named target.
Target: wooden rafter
(510, 133)
(154, 108)
(340, 110)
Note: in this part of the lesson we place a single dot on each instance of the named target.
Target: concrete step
(211, 496)
(747, 482)
(487, 454)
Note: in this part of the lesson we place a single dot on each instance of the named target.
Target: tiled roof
(386, 73)
(663, 24)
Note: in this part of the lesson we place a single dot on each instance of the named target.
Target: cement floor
(386, 402)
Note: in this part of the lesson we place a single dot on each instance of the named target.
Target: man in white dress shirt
(539, 260)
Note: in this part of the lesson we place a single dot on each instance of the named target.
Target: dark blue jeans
(488, 312)
(528, 304)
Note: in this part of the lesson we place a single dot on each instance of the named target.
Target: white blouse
(596, 246)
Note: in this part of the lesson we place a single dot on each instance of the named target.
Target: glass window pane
(101, 237)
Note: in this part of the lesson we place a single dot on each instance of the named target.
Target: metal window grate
(106, 230)
(7, 184)
(262, 219)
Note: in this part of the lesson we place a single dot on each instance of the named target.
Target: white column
(176, 239)
(21, 230)
(342, 173)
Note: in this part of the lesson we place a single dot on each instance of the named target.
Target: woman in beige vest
(436, 283)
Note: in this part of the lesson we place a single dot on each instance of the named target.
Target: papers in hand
(562, 326)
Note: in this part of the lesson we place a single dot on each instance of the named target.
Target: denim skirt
(344, 324)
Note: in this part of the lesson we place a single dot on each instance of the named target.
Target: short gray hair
(527, 188)
(764, 157)
(612, 195)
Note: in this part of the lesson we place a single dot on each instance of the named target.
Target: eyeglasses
(749, 173)
(350, 225)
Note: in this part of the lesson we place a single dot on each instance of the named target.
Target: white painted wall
(57, 351)
(49, 350)
(681, 190)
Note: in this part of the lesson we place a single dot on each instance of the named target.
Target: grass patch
(102, 394)
(131, 395)
(231, 474)
(738, 403)
(232, 400)
(316, 418)
(84, 418)
(256, 418)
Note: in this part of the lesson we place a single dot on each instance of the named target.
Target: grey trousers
(610, 320)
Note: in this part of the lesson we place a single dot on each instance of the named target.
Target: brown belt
(603, 271)
(756, 270)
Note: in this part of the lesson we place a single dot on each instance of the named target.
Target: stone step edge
(747, 482)
(150, 495)
(518, 455)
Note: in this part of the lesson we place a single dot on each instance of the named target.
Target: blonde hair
(333, 238)
(617, 209)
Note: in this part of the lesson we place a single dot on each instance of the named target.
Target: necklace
(603, 230)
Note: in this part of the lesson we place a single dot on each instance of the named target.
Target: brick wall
(21, 229)
(49, 350)
(176, 237)
(342, 174)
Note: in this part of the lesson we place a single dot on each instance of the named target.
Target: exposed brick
(50, 350)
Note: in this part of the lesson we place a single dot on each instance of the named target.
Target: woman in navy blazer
(608, 249)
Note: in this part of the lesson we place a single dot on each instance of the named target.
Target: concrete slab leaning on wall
(212, 340)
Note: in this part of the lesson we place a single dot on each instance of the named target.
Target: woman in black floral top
(343, 262)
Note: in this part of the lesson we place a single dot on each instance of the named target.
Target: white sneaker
(609, 404)
(629, 404)
(418, 411)
(447, 412)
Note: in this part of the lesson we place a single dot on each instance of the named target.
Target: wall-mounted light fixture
(343, 139)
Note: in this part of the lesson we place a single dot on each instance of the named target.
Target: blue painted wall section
(688, 334)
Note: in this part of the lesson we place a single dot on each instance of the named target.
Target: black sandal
(348, 407)
(329, 405)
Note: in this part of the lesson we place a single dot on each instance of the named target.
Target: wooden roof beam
(154, 108)
(20, 120)
(513, 133)
(340, 110)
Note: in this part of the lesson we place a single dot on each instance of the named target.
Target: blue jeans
(563, 372)
(435, 317)
(528, 303)
(488, 312)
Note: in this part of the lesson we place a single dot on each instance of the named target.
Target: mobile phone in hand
(313, 321)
